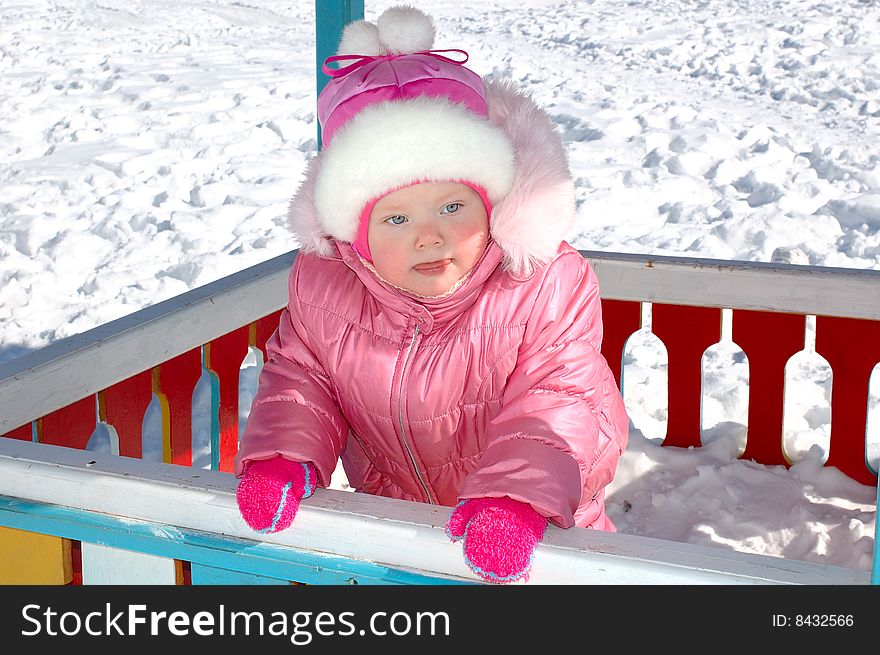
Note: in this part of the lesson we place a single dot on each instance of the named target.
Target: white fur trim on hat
(391, 144)
(540, 210)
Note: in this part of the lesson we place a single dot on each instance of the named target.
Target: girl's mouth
(432, 268)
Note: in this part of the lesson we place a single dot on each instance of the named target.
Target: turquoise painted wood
(202, 574)
(233, 554)
(331, 17)
(875, 569)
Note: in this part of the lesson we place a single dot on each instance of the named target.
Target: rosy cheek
(475, 238)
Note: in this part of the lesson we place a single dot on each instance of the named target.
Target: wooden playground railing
(137, 522)
(58, 395)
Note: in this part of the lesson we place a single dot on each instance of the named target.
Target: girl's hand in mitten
(499, 535)
(270, 491)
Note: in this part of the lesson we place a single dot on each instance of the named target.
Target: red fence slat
(852, 348)
(123, 406)
(25, 433)
(769, 340)
(69, 426)
(686, 332)
(174, 382)
(620, 318)
(224, 357)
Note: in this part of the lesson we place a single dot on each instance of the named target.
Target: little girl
(440, 336)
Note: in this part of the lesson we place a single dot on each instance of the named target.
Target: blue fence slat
(875, 570)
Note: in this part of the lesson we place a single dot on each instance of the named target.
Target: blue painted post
(202, 574)
(331, 16)
(875, 571)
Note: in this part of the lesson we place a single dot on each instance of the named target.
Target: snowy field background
(148, 147)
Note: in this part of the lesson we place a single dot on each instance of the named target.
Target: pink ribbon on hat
(363, 60)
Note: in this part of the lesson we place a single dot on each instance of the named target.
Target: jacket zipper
(406, 445)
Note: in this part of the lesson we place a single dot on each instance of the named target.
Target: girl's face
(424, 238)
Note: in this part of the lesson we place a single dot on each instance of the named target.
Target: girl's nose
(428, 236)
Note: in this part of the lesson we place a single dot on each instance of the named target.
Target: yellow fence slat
(32, 558)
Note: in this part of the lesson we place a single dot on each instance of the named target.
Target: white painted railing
(353, 529)
(744, 285)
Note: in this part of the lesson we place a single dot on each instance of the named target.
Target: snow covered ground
(150, 146)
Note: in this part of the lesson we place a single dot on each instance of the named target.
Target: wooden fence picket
(123, 406)
(768, 340)
(852, 349)
(686, 332)
(174, 382)
(223, 357)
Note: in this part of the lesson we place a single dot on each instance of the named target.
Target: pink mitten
(499, 535)
(270, 491)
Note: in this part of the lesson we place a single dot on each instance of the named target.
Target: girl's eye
(451, 208)
(396, 220)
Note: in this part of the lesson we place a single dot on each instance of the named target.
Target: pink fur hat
(396, 114)
(488, 132)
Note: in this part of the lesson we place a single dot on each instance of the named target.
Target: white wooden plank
(735, 284)
(395, 533)
(114, 566)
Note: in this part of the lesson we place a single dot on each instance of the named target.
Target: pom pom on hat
(399, 30)
(360, 37)
(405, 29)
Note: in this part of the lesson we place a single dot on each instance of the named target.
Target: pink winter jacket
(498, 389)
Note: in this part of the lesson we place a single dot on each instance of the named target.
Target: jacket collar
(428, 311)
